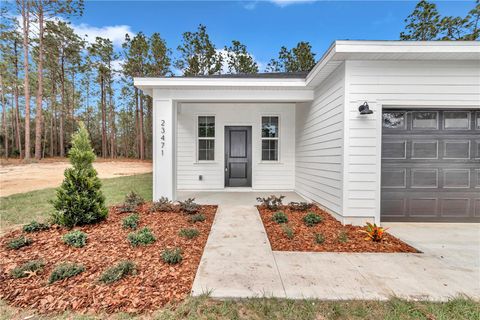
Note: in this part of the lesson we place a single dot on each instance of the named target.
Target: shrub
(299, 206)
(131, 221)
(189, 233)
(64, 271)
(79, 200)
(75, 238)
(311, 219)
(374, 232)
(141, 238)
(35, 226)
(131, 202)
(28, 268)
(198, 217)
(163, 205)
(117, 272)
(342, 237)
(189, 206)
(288, 231)
(18, 243)
(172, 256)
(319, 238)
(280, 217)
(272, 202)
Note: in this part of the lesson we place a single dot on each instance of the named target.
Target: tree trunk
(53, 113)
(104, 117)
(142, 138)
(4, 116)
(137, 131)
(38, 116)
(26, 28)
(18, 130)
(62, 108)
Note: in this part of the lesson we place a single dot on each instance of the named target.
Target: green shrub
(18, 243)
(163, 205)
(189, 233)
(280, 217)
(288, 231)
(79, 200)
(198, 217)
(117, 272)
(64, 271)
(342, 237)
(35, 226)
(172, 256)
(311, 219)
(189, 206)
(299, 206)
(25, 269)
(141, 238)
(131, 202)
(319, 238)
(75, 238)
(272, 202)
(131, 221)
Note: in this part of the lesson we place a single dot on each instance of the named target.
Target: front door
(238, 156)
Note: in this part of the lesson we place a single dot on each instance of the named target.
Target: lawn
(263, 308)
(24, 207)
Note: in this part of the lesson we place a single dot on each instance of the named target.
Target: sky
(263, 26)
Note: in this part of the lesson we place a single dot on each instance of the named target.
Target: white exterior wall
(319, 144)
(387, 84)
(265, 175)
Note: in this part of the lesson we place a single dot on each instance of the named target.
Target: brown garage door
(431, 165)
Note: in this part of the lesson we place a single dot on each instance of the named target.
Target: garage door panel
(431, 165)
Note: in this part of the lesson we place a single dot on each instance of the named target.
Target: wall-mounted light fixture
(365, 109)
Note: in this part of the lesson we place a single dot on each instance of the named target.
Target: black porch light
(365, 109)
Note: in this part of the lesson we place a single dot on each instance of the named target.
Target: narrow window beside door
(270, 138)
(206, 138)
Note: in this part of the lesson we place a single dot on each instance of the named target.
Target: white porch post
(164, 149)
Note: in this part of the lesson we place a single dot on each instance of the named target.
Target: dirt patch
(155, 284)
(20, 178)
(336, 237)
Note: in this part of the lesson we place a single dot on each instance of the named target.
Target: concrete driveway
(238, 261)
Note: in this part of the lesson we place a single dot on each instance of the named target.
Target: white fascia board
(217, 82)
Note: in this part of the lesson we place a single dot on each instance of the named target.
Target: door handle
(226, 169)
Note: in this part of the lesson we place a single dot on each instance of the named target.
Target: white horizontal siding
(319, 144)
(408, 84)
(265, 176)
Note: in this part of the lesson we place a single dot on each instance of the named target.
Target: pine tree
(422, 23)
(79, 199)
(299, 58)
(239, 60)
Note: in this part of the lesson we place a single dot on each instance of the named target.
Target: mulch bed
(331, 228)
(155, 284)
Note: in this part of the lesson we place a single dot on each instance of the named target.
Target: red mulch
(304, 237)
(155, 284)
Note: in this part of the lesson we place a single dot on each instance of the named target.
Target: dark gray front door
(431, 165)
(238, 156)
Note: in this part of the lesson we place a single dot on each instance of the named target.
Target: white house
(415, 158)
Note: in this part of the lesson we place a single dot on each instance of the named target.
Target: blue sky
(264, 26)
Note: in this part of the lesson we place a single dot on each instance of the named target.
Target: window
(269, 138)
(394, 120)
(206, 138)
(456, 120)
(425, 120)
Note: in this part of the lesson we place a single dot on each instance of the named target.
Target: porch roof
(338, 52)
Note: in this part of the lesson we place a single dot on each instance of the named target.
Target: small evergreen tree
(79, 199)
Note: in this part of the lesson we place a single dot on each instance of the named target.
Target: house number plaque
(162, 137)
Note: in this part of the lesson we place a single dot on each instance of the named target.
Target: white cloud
(284, 3)
(115, 33)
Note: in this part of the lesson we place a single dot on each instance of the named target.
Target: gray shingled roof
(266, 75)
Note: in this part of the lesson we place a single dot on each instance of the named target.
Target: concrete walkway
(238, 261)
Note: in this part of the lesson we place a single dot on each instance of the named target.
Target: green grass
(282, 309)
(25, 207)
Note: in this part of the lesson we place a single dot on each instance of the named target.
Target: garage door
(431, 165)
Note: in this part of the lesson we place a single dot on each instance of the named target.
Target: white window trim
(270, 138)
(197, 139)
